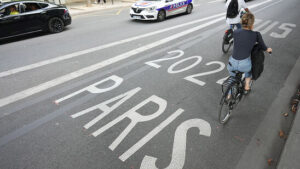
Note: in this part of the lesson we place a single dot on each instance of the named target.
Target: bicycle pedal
(239, 97)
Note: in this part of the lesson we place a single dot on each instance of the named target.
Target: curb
(265, 147)
(290, 156)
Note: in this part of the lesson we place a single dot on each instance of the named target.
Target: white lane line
(215, 1)
(90, 50)
(262, 25)
(31, 91)
(44, 86)
(257, 21)
(267, 29)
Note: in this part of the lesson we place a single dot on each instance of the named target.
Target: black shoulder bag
(257, 59)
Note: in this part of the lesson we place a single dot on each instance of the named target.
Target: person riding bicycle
(244, 41)
(234, 8)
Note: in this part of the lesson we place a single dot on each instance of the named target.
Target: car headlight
(151, 9)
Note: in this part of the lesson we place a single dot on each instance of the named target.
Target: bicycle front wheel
(226, 46)
(225, 109)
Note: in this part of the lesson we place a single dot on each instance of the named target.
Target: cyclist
(244, 40)
(236, 20)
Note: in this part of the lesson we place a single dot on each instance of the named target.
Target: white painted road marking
(86, 51)
(192, 78)
(179, 146)
(267, 29)
(150, 135)
(93, 88)
(44, 86)
(265, 23)
(286, 28)
(60, 80)
(215, 1)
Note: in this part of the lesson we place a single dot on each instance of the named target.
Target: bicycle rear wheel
(226, 46)
(225, 108)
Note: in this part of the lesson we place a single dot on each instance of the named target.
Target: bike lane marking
(27, 128)
(148, 161)
(179, 143)
(185, 44)
(79, 53)
(219, 82)
(44, 86)
(214, 1)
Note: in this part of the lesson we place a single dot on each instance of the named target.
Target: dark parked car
(23, 17)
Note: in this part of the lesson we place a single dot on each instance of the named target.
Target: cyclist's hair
(247, 20)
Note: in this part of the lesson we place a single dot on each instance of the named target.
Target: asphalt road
(112, 93)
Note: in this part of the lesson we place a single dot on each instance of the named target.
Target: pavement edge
(265, 147)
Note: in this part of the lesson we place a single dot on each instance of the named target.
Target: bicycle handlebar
(270, 53)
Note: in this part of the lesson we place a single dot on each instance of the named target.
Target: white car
(159, 9)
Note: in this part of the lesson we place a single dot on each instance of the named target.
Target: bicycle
(232, 89)
(228, 39)
(232, 93)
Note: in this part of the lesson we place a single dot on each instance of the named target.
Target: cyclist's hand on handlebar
(269, 50)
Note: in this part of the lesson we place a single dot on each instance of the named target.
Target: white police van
(159, 9)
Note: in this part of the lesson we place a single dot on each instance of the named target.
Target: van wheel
(161, 15)
(56, 25)
(189, 9)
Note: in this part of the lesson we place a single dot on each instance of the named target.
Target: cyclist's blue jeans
(239, 65)
(238, 25)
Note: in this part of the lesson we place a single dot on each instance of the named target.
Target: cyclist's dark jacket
(244, 40)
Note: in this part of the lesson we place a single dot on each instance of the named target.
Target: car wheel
(189, 9)
(56, 25)
(161, 15)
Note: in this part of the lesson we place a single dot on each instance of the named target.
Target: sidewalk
(290, 157)
(81, 7)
